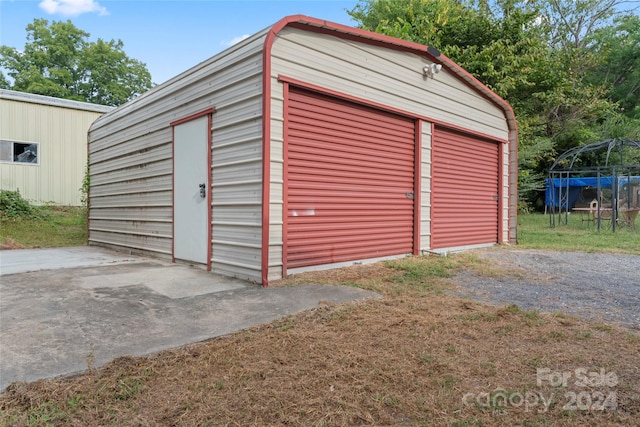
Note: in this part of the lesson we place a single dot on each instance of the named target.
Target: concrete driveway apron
(65, 310)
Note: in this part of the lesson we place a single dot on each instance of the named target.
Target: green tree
(618, 48)
(499, 45)
(58, 60)
(539, 55)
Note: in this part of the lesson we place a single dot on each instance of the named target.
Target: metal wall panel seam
(143, 248)
(131, 233)
(149, 140)
(253, 139)
(104, 218)
(200, 71)
(234, 183)
(235, 264)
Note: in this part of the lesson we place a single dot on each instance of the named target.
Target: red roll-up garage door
(465, 190)
(350, 181)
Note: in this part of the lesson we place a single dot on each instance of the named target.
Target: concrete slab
(173, 281)
(25, 260)
(62, 321)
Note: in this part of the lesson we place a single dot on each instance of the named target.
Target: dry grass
(407, 359)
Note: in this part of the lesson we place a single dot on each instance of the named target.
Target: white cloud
(72, 7)
(234, 40)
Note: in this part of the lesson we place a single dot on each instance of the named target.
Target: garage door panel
(317, 144)
(329, 115)
(348, 171)
(349, 190)
(465, 190)
(345, 176)
(337, 256)
(333, 125)
(349, 158)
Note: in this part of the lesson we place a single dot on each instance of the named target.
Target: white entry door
(191, 187)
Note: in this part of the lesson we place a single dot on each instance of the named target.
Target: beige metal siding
(425, 187)
(506, 201)
(380, 75)
(61, 133)
(389, 77)
(276, 198)
(131, 167)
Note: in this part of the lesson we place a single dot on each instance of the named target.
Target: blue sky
(168, 36)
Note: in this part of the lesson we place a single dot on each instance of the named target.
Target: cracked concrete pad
(62, 321)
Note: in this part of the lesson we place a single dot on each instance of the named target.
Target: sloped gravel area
(592, 286)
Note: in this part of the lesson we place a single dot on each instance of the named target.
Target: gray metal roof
(50, 100)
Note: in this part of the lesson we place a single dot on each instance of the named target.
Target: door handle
(203, 190)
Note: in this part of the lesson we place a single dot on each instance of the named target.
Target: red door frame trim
(209, 113)
(368, 103)
(433, 133)
(500, 189)
(285, 179)
(193, 116)
(321, 26)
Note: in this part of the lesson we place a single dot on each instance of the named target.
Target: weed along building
(308, 145)
(43, 146)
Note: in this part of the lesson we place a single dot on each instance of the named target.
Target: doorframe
(209, 113)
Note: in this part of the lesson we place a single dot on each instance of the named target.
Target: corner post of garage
(285, 175)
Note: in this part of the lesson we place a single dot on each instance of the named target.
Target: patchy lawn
(53, 226)
(419, 356)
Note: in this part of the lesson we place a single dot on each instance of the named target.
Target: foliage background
(569, 68)
(58, 60)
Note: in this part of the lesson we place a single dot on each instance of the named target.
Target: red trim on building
(362, 36)
(321, 26)
(500, 194)
(433, 131)
(193, 116)
(368, 103)
(326, 27)
(285, 178)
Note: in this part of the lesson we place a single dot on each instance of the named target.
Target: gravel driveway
(593, 286)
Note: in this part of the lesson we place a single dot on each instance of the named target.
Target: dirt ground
(420, 356)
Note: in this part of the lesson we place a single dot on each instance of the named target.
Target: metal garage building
(308, 145)
(43, 146)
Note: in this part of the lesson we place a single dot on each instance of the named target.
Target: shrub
(13, 205)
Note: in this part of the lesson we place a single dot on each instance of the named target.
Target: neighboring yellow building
(43, 146)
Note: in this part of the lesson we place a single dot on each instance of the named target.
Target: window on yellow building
(19, 152)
